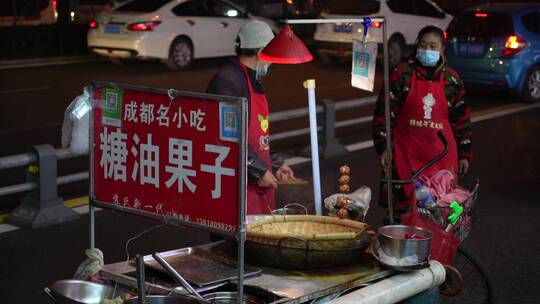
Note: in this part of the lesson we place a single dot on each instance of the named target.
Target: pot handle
(48, 292)
(297, 205)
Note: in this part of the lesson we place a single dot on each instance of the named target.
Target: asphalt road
(32, 102)
(504, 236)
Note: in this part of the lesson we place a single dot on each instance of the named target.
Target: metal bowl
(175, 299)
(82, 292)
(230, 297)
(393, 243)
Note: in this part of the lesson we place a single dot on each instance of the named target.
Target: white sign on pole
(363, 65)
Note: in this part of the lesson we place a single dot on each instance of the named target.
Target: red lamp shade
(286, 48)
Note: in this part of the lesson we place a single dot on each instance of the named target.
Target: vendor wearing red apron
(241, 77)
(426, 96)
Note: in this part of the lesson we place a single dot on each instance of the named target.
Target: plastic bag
(358, 201)
(77, 123)
(393, 261)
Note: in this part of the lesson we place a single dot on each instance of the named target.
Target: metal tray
(201, 267)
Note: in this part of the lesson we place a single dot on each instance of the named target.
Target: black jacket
(230, 80)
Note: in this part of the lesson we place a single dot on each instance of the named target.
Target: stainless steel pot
(82, 292)
(230, 297)
(394, 243)
(174, 299)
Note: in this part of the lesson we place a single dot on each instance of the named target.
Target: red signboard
(175, 158)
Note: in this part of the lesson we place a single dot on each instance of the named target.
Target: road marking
(82, 202)
(33, 89)
(7, 228)
(77, 202)
(41, 62)
(498, 112)
(505, 112)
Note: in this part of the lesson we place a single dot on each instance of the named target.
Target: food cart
(186, 155)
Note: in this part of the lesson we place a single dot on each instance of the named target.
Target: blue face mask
(428, 58)
(261, 69)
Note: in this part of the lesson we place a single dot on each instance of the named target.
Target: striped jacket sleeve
(398, 94)
(460, 115)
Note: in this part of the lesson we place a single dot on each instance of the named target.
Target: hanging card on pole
(364, 61)
(363, 65)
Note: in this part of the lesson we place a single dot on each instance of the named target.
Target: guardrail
(42, 206)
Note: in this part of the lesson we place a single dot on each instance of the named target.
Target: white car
(405, 19)
(175, 31)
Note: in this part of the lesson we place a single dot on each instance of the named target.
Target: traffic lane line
(505, 111)
(25, 90)
(80, 205)
(491, 114)
(41, 62)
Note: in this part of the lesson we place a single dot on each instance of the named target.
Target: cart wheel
(474, 277)
(453, 284)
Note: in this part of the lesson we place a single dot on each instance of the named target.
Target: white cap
(255, 35)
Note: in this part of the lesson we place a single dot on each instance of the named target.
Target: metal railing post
(329, 146)
(42, 206)
(332, 147)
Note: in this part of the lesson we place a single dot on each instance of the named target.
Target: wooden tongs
(293, 181)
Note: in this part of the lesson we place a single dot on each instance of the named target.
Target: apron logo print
(429, 102)
(264, 123)
(264, 143)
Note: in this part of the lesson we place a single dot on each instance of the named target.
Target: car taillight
(93, 24)
(143, 26)
(481, 15)
(513, 45)
(376, 24)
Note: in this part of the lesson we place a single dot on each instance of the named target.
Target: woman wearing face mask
(426, 96)
(241, 77)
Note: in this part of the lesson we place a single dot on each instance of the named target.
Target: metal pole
(387, 121)
(91, 196)
(241, 235)
(310, 86)
(92, 226)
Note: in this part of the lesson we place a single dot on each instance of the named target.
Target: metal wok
(285, 257)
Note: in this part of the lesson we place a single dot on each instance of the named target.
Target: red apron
(415, 143)
(259, 200)
(415, 133)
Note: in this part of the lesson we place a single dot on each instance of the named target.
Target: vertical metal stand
(310, 86)
(91, 207)
(389, 167)
(332, 148)
(92, 226)
(242, 188)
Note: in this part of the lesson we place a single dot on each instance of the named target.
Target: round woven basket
(306, 231)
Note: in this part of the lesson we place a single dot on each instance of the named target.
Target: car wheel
(531, 88)
(396, 48)
(180, 54)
